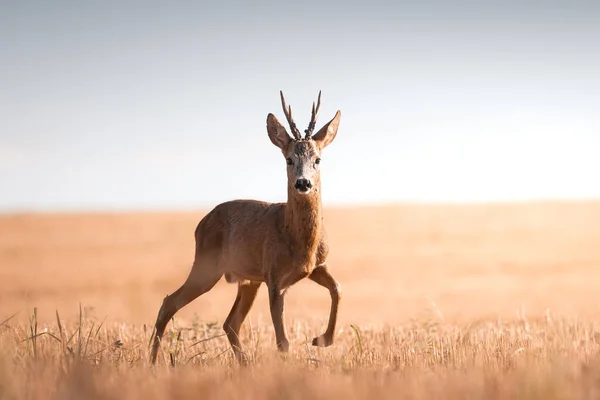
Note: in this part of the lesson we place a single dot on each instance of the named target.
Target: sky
(122, 105)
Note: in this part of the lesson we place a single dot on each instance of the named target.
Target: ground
(453, 301)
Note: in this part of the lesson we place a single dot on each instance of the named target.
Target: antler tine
(287, 110)
(313, 117)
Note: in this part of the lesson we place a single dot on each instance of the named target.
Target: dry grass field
(452, 302)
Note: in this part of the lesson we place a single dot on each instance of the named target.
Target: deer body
(249, 235)
(253, 242)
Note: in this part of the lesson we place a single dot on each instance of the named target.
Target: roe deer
(252, 241)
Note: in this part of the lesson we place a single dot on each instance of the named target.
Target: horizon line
(330, 206)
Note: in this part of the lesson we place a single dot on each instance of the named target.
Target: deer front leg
(277, 314)
(322, 276)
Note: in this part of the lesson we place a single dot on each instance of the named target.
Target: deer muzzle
(303, 185)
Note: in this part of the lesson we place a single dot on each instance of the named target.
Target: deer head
(302, 154)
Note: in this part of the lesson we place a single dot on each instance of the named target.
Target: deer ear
(277, 133)
(327, 133)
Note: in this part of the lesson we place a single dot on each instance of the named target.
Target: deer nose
(303, 185)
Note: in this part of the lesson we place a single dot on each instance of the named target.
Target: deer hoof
(322, 341)
(283, 346)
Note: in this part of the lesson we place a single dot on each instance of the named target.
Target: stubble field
(485, 301)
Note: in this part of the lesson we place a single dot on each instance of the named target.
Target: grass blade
(33, 329)
(207, 339)
(8, 319)
(99, 326)
(88, 340)
(194, 356)
(63, 336)
(79, 333)
(358, 339)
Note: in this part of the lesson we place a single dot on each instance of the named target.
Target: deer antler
(287, 110)
(313, 118)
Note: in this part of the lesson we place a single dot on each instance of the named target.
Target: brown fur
(251, 242)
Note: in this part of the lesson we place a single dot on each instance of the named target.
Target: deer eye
(288, 161)
(318, 161)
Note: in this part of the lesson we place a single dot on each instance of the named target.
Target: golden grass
(542, 359)
(487, 302)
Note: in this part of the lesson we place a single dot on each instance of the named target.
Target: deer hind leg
(247, 291)
(203, 276)
(322, 276)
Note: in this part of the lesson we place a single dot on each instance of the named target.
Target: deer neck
(303, 219)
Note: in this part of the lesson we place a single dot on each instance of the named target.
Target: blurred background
(157, 110)
(123, 105)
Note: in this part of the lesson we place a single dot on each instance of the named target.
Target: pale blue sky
(114, 105)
